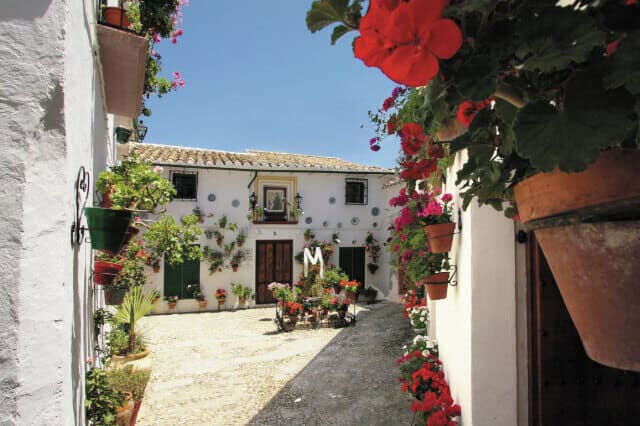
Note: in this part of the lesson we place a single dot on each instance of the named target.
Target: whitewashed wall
(52, 121)
(316, 189)
(476, 324)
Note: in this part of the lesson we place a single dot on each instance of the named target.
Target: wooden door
(352, 263)
(566, 387)
(274, 263)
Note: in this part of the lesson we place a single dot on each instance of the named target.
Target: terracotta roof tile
(250, 159)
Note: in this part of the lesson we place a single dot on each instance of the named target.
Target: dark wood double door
(565, 386)
(274, 263)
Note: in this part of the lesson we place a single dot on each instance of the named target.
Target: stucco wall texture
(52, 121)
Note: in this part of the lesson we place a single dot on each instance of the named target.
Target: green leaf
(557, 37)
(571, 139)
(462, 8)
(338, 32)
(325, 12)
(623, 66)
(476, 78)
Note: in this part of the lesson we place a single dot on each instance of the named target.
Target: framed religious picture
(275, 202)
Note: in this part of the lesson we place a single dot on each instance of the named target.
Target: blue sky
(257, 78)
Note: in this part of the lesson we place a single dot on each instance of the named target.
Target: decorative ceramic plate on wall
(211, 197)
(332, 200)
(375, 211)
(355, 221)
(235, 203)
(308, 220)
(325, 223)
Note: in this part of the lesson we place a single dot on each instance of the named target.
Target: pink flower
(396, 247)
(403, 237)
(446, 198)
(156, 38)
(407, 255)
(375, 148)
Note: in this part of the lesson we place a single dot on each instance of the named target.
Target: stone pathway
(232, 368)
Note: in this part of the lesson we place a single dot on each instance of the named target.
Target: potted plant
(228, 248)
(372, 248)
(105, 269)
(221, 297)
(437, 280)
(335, 237)
(136, 305)
(280, 291)
(208, 233)
(107, 228)
(438, 225)
(175, 241)
(293, 310)
(308, 234)
(241, 292)
(240, 239)
(526, 115)
(172, 302)
(215, 259)
(131, 382)
(343, 307)
(237, 259)
(101, 398)
(419, 317)
(333, 277)
(155, 264)
(222, 222)
(372, 267)
(196, 293)
(219, 237)
(350, 289)
(116, 16)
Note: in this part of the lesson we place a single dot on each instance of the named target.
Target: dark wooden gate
(274, 262)
(352, 263)
(566, 387)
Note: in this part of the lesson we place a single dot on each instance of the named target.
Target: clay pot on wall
(202, 304)
(588, 226)
(105, 272)
(116, 16)
(440, 237)
(437, 285)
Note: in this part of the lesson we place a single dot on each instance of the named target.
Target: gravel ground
(232, 368)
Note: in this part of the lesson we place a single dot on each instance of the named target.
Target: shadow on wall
(353, 373)
(25, 10)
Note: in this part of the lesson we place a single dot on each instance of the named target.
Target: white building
(63, 79)
(335, 195)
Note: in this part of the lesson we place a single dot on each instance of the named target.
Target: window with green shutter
(178, 278)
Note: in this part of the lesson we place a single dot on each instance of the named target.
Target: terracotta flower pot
(234, 268)
(172, 305)
(595, 261)
(134, 415)
(440, 237)
(105, 272)
(202, 304)
(156, 269)
(242, 301)
(437, 285)
(116, 16)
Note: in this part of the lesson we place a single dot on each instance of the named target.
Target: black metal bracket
(453, 282)
(82, 189)
(459, 219)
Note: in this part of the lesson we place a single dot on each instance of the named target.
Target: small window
(356, 191)
(186, 185)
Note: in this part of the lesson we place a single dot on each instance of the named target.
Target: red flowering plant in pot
(545, 100)
(221, 296)
(350, 289)
(439, 226)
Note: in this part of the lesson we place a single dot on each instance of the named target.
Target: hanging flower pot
(114, 296)
(234, 268)
(440, 237)
(107, 228)
(105, 272)
(437, 285)
(116, 16)
(595, 260)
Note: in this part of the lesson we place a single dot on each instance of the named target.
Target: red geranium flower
(468, 110)
(388, 103)
(392, 124)
(412, 138)
(406, 39)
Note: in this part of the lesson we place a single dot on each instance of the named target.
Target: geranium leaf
(623, 67)
(325, 12)
(338, 32)
(476, 78)
(572, 138)
(558, 37)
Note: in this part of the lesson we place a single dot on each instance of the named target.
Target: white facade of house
(481, 325)
(231, 190)
(53, 120)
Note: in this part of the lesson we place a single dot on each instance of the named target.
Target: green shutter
(177, 278)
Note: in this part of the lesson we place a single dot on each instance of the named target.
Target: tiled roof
(250, 159)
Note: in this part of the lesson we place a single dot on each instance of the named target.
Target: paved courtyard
(232, 368)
